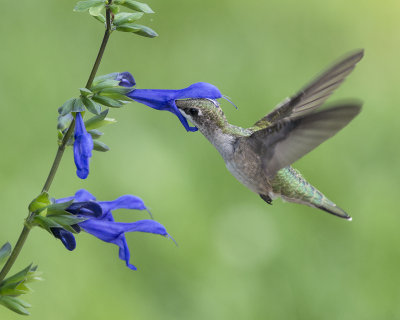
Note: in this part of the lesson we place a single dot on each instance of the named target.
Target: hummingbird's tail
(332, 208)
(291, 186)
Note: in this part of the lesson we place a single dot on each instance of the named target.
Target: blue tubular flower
(165, 99)
(125, 79)
(83, 147)
(100, 221)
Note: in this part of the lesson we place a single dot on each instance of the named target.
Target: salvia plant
(79, 121)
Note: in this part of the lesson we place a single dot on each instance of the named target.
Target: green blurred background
(238, 258)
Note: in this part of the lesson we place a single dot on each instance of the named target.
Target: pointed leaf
(78, 105)
(108, 83)
(126, 17)
(137, 29)
(18, 277)
(67, 220)
(64, 121)
(135, 5)
(99, 121)
(15, 304)
(46, 223)
(109, 76)
(85, 92)
(85, 5)
(100, 17)
(146, 32)
(95, 11)
(120, 90)
(95, 133)
(114, 9)
(66, 107)
(127, 27)
(100, 146)
(91, 106)
(60, 205)
(107, 101)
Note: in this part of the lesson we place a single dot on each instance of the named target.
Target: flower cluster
(159, 99)
(98, 221)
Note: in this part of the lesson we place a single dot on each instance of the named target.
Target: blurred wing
(287, 140)
(315, 93)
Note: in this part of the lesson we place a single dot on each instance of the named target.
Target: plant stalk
(25, 231)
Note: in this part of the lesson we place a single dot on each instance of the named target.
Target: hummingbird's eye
(193, 111)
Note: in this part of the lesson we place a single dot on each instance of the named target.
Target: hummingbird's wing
(287, 140)
(314, 94)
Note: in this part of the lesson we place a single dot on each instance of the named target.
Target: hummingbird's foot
(266, 198)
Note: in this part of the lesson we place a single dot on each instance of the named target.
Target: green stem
(58, 157)
(15, 252)
(25, 231)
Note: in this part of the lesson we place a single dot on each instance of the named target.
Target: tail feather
(335, 210)
(290, 185)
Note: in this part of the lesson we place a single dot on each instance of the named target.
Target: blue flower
(83, 147)
(100, 221)
(125, 79)
(165, 99)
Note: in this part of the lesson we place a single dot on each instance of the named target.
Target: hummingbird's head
(205, 114)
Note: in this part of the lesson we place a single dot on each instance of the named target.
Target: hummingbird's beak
(182, 104)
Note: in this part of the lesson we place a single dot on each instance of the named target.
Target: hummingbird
(260, 157)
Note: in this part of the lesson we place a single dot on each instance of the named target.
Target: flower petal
(124, 202)
(83, 147)
(114, 232)
(86, 209)
(126, 79)
(165, 99)
(66, 237)
(83, 195)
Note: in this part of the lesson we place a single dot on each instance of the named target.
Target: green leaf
(41, 201)
(15, 304)
(95, 11)
(146, 32)
(82, 6)
(5, 252)
(127, 27)
(107, 101)
(78, 105)
(98, 121)
(109, 76)
(85, 92)
(137, 29)
(95, 133)
(120, 90)
(92, 106)
(59, 206)
(46, 223)
(125, 17)
(64, 121)
(114, 9)
(100, 146)
(135, 5)
(67, 220)
(14, 289)
(18, 277)
(108, 83)
(100, 17)
(67, 107)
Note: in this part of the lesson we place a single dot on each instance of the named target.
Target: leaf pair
(16, 285)
(122, 21)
